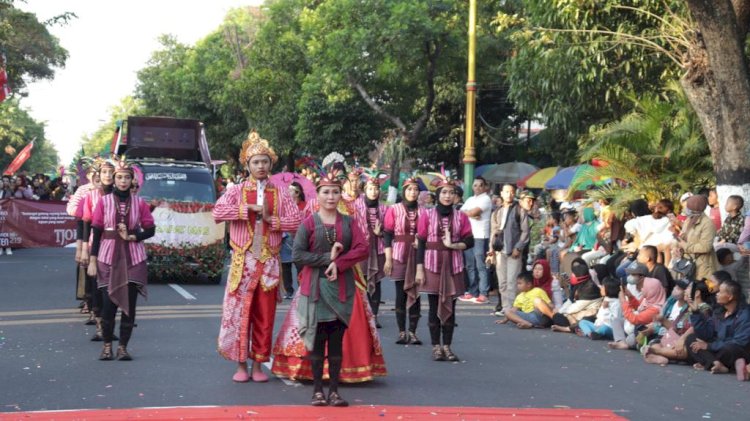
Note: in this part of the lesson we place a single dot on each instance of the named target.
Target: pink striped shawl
(395, 222)
(427, 229)
(105, 218)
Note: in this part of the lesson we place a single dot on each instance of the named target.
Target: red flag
(4, 86)
(19, 159)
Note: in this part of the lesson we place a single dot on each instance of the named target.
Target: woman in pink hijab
(637, 311)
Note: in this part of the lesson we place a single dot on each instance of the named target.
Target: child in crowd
(531, 307)
(609, 310)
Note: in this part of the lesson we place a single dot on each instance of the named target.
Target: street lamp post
(471, 90)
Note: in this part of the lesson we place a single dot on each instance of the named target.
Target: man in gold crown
(258, 212)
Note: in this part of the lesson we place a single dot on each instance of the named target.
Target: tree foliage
(32, 53)
(17, 129)
(656, 151)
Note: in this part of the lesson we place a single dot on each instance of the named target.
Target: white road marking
(180, 290)
(286, 381)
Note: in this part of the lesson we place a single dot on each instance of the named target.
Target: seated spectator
(531, 308)
(648, 256)
(727, 263)
(636, 312)
(610, 309)
(721, 342)
(584, 303)
(670, 345)
(734, 222)
(542, 276)
(586, 237)
(570, 228)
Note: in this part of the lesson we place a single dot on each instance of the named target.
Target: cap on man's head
(527, 194)
(637, 269)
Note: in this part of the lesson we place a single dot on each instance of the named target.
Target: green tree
(17, 129)
(32, 53)
(656, 151)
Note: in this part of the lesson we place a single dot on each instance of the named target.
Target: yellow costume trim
(238, 257)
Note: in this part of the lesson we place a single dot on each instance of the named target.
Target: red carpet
(358, 413)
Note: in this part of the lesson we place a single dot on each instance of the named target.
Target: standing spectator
(23, 190)
(713, 211)
(298, 195)
(479, 209)
(697, 238)
(509, 227)
(722, 341)
(6, 190)
(732, 228)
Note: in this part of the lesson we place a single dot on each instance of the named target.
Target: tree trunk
(717, 84)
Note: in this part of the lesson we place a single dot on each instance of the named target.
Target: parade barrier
(31, 223)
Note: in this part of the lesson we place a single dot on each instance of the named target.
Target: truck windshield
(178, 184)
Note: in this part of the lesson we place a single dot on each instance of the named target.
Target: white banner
(176, 228)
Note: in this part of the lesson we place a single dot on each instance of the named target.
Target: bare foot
(618, 345)
(656, 359)
(524, 325)
(698, 366)
(556, 328)
(719, 368)
(502, 321)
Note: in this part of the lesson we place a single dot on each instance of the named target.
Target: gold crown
(254, 145)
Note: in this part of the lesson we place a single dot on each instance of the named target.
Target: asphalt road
(48, 363)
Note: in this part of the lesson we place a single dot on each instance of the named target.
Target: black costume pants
(330, 334)
(109, 311)
(436, 327)
(414, 311)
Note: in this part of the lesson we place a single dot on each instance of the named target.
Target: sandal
(334, 399)
(437, 353)
(319, 399)
(413, 339)
(402, 338)
(106, 354)
(122, 354)
(449, 355)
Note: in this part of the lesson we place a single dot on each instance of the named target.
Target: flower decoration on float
(255, 145)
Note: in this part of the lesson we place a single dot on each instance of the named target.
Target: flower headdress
(122, 165)
(333, 158)
(98, 163)
(443, 179)
(372, 176)
(412, 180)
(254, 145)
(329, 178)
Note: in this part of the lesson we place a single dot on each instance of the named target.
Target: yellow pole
(471, 90)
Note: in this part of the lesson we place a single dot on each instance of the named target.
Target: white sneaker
(8, 251)
(500, 313)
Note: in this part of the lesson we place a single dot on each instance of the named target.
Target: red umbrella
(284, 179)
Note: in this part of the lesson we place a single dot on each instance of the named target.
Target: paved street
(48, 363)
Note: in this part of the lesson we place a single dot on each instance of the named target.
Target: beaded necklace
(330, 235)
(411, 220)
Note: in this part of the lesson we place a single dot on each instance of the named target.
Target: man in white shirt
(479, 209)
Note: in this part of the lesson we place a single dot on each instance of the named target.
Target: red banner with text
(30, 223)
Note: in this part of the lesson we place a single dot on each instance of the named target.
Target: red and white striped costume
(248, 311)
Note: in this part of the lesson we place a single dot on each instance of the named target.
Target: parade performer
(400, 229)
(371, 212)
(327, 246)
(258, 211)
(120, 223)
(74, 208)
(443, 233)
(363, 354)
(103, 179)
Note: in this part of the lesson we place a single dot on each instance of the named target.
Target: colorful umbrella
(538, 179)
(483, 168)
(509, 172)
(562, 179)
(284, 179)
(579, 173)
